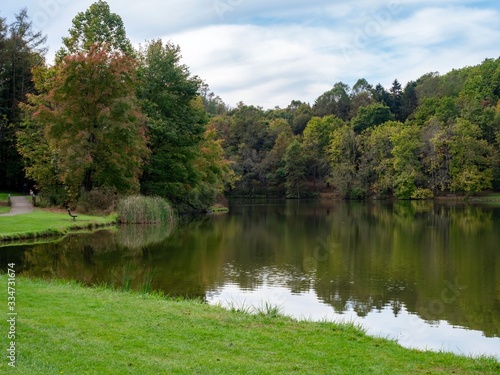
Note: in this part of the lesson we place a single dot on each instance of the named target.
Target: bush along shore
(144, 210)
(66, 328)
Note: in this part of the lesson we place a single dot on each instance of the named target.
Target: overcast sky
(268, 53)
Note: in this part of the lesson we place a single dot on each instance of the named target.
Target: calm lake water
(423, 273)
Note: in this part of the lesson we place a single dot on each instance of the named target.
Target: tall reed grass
(144, 210)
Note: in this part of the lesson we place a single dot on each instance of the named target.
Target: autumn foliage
(108, 117)
(90, 115)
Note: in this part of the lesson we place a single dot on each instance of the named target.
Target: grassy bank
(63, 328)
(42, 223)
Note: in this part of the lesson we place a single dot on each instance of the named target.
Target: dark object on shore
(74, 216)
(33, 198)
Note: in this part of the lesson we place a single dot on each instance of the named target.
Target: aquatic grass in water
(237, 307)
(128, 275)
(265, 309)
(269, 310)
(147, 281)
(144, 210)
(129, 279)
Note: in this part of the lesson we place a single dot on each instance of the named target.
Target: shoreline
(104, 330)
(66, 225)
(43, 223)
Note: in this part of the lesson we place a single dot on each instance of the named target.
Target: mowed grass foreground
(41, 223)
(64, 328)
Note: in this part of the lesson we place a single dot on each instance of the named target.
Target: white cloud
(443, 25)
(269, 53)
(247, 60)
(454, 37)
(272, 65)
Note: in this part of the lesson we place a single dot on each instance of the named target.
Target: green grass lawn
(64, 328)
(4, 208)
(45, 223)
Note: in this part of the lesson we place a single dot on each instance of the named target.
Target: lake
(426, 274)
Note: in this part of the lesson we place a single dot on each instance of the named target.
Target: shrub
(144, 210)
(51, 197)
(421, 193)
(98, 200)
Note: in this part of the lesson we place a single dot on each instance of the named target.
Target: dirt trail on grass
(19, 206)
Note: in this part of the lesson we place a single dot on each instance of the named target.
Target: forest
(438, 135)
(107, 119)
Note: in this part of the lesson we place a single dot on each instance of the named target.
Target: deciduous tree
(471, 159)
(406, 163)
(315, 143)
(295, 170)
(176, 123)
(370, 116)
(343, 155)
(376, 169)
(334, 102)
(88, 108)
(97, 25)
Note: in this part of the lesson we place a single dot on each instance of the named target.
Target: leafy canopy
(91, 117)
(97, 25)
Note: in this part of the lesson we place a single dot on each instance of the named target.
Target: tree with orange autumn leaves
(106, 117)
(90, 115)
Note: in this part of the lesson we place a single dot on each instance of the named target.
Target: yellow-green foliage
(139, 209)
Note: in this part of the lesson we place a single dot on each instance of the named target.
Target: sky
(268, 53)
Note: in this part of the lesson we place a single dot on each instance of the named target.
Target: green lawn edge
(66, 328)
(41, 223)
(4, 195)
(4, 207)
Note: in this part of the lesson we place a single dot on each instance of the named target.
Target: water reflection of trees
(141, 236)
(104, 257)
(369, 256)
(439, 261)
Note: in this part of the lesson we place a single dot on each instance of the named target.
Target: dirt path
(20, 205)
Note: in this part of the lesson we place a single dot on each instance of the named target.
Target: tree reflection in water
(438, 261)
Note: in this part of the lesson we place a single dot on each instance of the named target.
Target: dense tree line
(437, 135)
(107, 117)
(21, 49)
